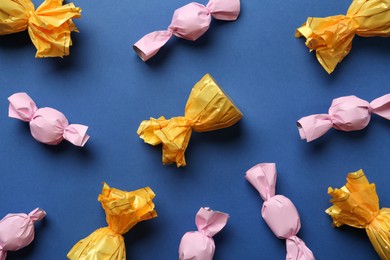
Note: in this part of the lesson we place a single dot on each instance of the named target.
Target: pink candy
(278, 211)
(189, 22)
(199, 245)
(348, 113)
(17, 230)
(47, 125)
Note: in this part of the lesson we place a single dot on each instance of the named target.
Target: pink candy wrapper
(199, 245)
(278, 211)
(188, 22)
(47, 125)
(17, 230)
(348, 113)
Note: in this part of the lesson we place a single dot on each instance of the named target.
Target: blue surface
(269, 74)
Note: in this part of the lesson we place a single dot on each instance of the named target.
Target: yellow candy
(123, 211)
(331, 37)
(208, 108)
(49, 26)
(356, 204)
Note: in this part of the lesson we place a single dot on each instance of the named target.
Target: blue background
(269, 74)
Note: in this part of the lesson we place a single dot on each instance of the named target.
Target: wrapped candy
(188, 22)
(357, 205)
(208, 108)
(278, 211)
(49, 26)
(17, 230)
(199, 245)
(47, 125)
(123, 211)
(347, 113)
(331, 37)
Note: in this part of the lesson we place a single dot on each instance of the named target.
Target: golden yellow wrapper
(331, 37)
(123, 211)
(356, 204)
(49, 26)
(208, 108)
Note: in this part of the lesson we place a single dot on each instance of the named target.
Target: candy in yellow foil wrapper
(123, 211)
(208, 108)
(331, 37)
(356, 204)
(49, 26)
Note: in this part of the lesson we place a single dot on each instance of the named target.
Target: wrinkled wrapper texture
(199, 245)
(49, 26)
(188, 22)
(348, 113)
(47, 125)
(331, 37)
(357, 205)
(208, 108)
(278, 211)
(17, 230)
(123, 211)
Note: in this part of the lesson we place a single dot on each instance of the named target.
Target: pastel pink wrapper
(278, 211)
(348, 113)
(188, 22)
(17, 230)
(47, 125)
(199, 245)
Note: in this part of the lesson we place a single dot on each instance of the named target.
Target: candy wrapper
(47, 125)
(357, 205)
(199, 245)
(331, 37)
(17, 230)
(208, 108)
(347, 113)
(49, 26)
(188, 22)
(123, 211)
(278, 211)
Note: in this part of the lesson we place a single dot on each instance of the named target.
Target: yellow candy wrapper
(123, 211)
(208, 108)
(357, 205)
(331, 37)
(49, 26)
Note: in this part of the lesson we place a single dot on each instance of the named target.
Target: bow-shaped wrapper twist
(17, 230)
(208, 108)
(188, 22)
(123, 211)
(278, 211)
(49, 26)
(331, 37)
(347, 113)
(47, 125)
(199, 245)
(357, 205)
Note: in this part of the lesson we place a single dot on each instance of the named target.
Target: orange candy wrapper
(357, 205)
(49, 26)
(123, 211)
(331, 37)
(208, 108)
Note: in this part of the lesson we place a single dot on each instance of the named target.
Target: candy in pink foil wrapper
(17, 230)
(199, 245)
(188, 22)
(278, 211)
(47, 125)
(348, 113)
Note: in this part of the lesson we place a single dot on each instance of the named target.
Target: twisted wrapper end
(224, 10)
(297, 249)
(263, 178)
(21, 107)
(37, 214)
(174, 134)
(76, 134)
(150, 44)
(314, 126)
(330, 37)
(381, 106)
(210, 222)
